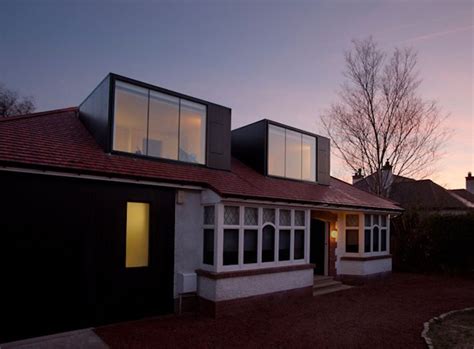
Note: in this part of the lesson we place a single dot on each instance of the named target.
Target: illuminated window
(192, 132)
(138, 220)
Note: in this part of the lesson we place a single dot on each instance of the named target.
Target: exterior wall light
(334, 234)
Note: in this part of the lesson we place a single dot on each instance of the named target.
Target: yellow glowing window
(138, 220)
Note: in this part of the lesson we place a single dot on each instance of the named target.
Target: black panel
(249, 145)
(94, 113)
(323, 155)
(317, 245)
(62, 254)
(218, 137)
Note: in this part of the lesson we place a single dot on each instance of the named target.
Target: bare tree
(12, 104)
(380, 116)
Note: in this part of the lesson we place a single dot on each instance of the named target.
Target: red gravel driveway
(382, 314)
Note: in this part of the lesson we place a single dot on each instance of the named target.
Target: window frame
(111, 116)
(213, 227)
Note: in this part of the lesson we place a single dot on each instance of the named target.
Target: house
(115, 209)
(466, 195)
(422, 195)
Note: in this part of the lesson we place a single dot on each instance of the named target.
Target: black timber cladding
(97, 114)
(62, 254)
(250, 143)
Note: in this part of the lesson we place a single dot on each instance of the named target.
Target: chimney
(387, 177)
(357, 176)
(470, 183)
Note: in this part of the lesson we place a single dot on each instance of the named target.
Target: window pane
(367, 220)
(352, 220)
(276, 151)
(137, 234)
(352, 240)
(299, 244)
(231, 215)
(375, 219)
(268, 244)
(284, 245)
(163, 126)
(251, 216)
(293, 155)
(192, 132)
(209, 215)
(384, 220)
(231, 246)
(208, 250)
(299, 218)
(268, 215)
(367, 234)
(250, 246)
(130, 121)
(383, 241)
(309, 158)
(285, 217)
(375, 245)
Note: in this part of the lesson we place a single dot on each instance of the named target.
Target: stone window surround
(219, 237)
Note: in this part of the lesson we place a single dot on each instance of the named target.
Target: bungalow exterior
(119, 208)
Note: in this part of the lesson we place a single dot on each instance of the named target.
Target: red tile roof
(57, 140)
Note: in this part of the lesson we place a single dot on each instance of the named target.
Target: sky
(281, 60)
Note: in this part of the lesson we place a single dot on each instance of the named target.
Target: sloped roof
(464, 194)
(57, 140)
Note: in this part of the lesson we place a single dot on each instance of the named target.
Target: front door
(317, 245)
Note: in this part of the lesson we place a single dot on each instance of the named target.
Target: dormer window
(291, 154)
(148, 122)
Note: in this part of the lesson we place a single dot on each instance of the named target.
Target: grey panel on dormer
(323, 160)
(218, 137)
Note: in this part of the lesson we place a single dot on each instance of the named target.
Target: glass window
(137, 234)
(384, 220)
(231, 215)
(250, 246)
(163, 126)
(208, 250)
(383, 242)
(308, 155)
(131, 118)
(192, 132)
(367, 234)
(375, 219)
(299, 244)
(352, 240)
(352, 220)
(299, 218)
(375, 233)
(251, 216)
(268, 215)
(276, 151)
(284, 245)
(268, 244)
(285, 217)
(209, 215)
(367, 220)
(293, 155)
(231, 246)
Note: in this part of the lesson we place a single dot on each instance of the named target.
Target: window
(291, 154)
(268, 244)
(285, 217)
(151, 123)
(268, 215)
(299, 218)
(231, 246)
(250, 246)
(208, 238)
(352, 240)
(284, 245)
(251, 216)
(131, 114)
(137, 234)
(376, 232)
(231, 215)
(299, 244)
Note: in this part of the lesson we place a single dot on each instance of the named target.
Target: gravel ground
(388, 314)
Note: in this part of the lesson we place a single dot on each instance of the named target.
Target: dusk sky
(281, 60)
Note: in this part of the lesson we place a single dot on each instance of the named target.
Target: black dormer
(131, 117)
(278, 150)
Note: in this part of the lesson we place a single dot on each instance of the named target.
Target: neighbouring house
(422, 195)
(115, 209)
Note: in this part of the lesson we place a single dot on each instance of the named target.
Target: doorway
(318, 238)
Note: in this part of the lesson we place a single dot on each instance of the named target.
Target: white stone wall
(364, 267)
(246, 286)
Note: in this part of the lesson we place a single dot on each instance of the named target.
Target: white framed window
(209, 233)
(376, 233)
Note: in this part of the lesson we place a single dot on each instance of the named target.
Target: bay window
(376, 232)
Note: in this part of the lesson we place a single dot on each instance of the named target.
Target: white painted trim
(99, 178)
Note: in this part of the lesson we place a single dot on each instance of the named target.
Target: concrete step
(326, 283)
(331, 289)
(318, 278)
